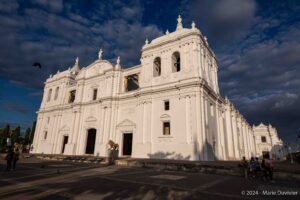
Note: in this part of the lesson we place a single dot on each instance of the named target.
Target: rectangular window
(49, 95)
(166, 128)
(48, 120)
(95, 91)
(167, 105)
(72, 96)
(131, 82)
(45, 135)
(211, 109)
(263, 139)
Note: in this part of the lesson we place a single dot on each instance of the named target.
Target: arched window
(176, 62)
(56, 93)
(157, 67)
(49, 95)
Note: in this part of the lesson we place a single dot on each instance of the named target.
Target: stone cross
(118, 60)
(100, 54)
(193, 25)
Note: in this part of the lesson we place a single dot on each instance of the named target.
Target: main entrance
(266, 154)
(127, 144)
(65, 141)
(90, 142)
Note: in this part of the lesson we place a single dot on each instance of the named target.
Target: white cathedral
(169, 107)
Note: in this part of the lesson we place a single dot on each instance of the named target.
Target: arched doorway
(90, 142)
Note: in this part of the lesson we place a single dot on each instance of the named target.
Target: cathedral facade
(167, 107)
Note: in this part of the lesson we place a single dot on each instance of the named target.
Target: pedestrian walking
(257, 167)
(252, 166)
(267, 167)
(244, 165)
(16, 156)
(9, 158)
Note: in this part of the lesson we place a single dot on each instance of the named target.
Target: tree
(32, 132)
(5, 133)
(16, 135)
(27, 136)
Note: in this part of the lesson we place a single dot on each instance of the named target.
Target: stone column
(199, 137)
(206, 124)
(235, 138)
(187, 118)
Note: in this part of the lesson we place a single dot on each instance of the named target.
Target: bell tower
(178, 56)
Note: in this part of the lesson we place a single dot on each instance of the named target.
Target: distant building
(267, 142)
(168, 107)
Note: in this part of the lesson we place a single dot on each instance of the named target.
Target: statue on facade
(179, 23)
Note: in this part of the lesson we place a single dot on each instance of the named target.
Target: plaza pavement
(46, 179)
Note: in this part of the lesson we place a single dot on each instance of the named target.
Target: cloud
(225, 22)
(16, 107)
(51, 5)
(9, 6)
(55, 40)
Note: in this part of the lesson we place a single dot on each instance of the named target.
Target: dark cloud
(16, 107)
(224, 22)
(56, 5)
(258, 48)
(55, 40)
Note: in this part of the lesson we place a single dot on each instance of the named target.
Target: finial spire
(100, 54)
(118, 63)
(193, 25)
(77, 61)
(179, 23)
(146, 41)
(167, 32)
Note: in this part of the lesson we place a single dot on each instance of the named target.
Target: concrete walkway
(50, 179)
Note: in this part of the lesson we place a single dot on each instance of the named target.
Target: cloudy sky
(257, 44)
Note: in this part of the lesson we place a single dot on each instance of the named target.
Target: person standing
(16, 156)
(244, 165)
(9, 158)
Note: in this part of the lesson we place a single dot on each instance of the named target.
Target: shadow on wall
(278, 152)
(206, 153)
(168, 155)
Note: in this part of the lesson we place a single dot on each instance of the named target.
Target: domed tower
(178, 56)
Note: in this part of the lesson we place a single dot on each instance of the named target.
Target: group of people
(11, 158)
(255, 168)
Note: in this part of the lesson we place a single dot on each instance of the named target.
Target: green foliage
(32, 131)
(15, 137)
(4, 133)
(27, 136)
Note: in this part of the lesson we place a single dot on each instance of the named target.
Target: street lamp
(291, 155)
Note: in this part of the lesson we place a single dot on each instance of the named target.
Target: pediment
(91, 119)
(261, 125)
(126, 122)
(64, 128)
(165, 116)
(98, 67)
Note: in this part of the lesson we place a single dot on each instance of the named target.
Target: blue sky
(257, 44)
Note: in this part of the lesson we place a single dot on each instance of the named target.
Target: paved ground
(36, 179)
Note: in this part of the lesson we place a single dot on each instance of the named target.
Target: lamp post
(291, 155)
